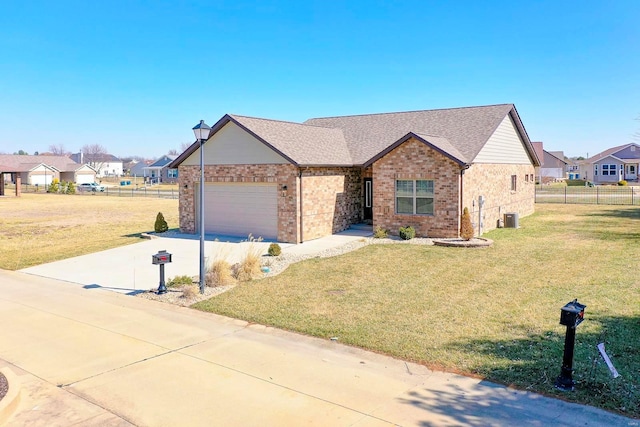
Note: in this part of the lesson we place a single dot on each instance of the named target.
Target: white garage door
(41, 179)
(82, 178)
(239, 209)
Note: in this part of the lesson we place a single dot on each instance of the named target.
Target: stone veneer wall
(282, 174)
(332, 200)
(493, 182)
(415, 160)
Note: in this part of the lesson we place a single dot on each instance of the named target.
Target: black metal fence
(108, 191)
(598, 195)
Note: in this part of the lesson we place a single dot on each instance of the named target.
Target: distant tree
(21, 153)
(184, 146)
(94, 155)
(58, 150)
(580, 158)
(173, 152)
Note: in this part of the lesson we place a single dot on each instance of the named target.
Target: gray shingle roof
(608, 152)
(356, 140)
(467, 129)
(61, 163)
(304, 144)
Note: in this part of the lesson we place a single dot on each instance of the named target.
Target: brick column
(18, 184)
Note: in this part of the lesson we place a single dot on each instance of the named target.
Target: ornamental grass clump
(249, 267)
(466, 228)
(161, 225)
(407, 233)
(380, 233)
(219, 273)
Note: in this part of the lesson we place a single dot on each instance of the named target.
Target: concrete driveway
(128, 269)
(97, 358)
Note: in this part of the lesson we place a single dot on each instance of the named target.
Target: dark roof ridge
(413, 111)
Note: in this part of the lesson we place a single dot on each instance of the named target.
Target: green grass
(489, 312)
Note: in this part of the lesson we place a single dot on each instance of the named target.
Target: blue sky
(136, 76)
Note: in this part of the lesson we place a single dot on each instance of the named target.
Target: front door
(368, 199)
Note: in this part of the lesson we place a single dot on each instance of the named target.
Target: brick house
(300, 181)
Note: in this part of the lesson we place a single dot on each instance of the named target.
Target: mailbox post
(161, 258)
(571, 315)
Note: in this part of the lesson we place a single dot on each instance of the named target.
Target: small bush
(54, 187)
(161, 225)
(622, 183)
(71, 188)
(407, 233)
(178, 281)
(248, 268)
(466, 228)
(274, 249)
(380, 233)
(219, 273)
(190, 291)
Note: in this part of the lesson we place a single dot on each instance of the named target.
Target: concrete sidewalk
(96, 358)
(128, 269)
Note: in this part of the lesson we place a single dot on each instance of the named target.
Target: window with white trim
(608, 169)
(172, 173)
(595, 170)
(414, 196)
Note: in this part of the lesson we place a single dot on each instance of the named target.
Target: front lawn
(490, 312)
(40, 228)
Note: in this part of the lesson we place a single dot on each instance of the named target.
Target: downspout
(301, 218)
(461, 208)
(466, 166)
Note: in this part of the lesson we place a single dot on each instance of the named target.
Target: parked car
(91, 186)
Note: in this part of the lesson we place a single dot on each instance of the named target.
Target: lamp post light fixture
(201, 131)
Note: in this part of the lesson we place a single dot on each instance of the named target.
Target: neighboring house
(159, 171)
(300, 181)
(552, 167)
(573, 169)
(139, 170)
(42, 170)
(613, 165)
(104, 164)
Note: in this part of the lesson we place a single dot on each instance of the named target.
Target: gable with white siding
(505, 146)
(232, 145)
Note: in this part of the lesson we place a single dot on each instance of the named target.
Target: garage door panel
(240, 209)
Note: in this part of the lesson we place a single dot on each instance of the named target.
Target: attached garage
(240, 209)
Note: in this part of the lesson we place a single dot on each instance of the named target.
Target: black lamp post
(201, 131)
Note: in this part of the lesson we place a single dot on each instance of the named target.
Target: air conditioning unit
(511, 220)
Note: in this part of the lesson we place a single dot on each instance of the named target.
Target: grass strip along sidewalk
(489, 312)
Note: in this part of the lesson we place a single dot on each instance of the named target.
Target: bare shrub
(189, 291)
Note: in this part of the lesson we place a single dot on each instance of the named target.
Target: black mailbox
(572, 314)
(162, 257)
